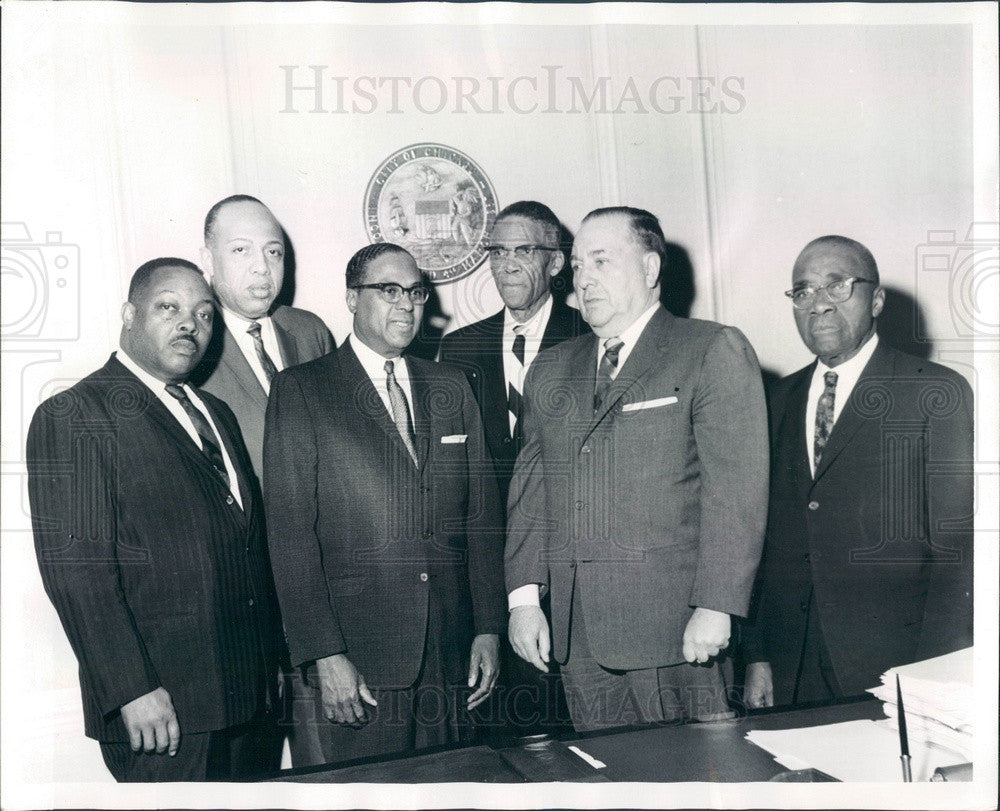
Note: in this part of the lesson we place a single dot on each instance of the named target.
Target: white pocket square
(454, 439)
(644, 404)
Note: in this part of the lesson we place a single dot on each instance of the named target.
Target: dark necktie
(270, 370)
(514, 403)
(605, 372)
(209, 441)
(400, 410)
(824, 416)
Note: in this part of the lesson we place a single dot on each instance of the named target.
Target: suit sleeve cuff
(524, 595)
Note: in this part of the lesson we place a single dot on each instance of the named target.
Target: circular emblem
(437, 203)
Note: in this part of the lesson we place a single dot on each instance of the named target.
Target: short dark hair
(536, 212)
(644, 225)
(143, 275)
(357, 264)
(213, 212)
(861, 253)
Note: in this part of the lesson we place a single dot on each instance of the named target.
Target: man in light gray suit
(640, 493)
(244, 259)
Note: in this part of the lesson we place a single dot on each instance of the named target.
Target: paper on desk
(854, 751)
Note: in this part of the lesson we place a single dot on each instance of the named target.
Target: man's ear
(556, 261)
(207, 267)
(651, 269)
(128, 314)
(878, 301)
(352, 299)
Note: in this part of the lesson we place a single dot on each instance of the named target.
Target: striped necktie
(606, 370)
(270, 370)
(209, 441)
(400, 410)
(514, 400)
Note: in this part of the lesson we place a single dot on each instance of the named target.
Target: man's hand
(758, 690)
(485, 657)
(343, 689)
(706, 634)
(152, 723)
(529, 635)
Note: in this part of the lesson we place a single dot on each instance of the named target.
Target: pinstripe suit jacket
(158, 577)
(360, 538)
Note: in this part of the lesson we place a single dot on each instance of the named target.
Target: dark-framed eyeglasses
(839, 290)
(499, 253)
(392, 292)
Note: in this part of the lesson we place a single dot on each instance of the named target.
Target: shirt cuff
(522, 596)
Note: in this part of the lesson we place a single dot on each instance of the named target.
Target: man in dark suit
(384, 531)
(244, 259)
(868, 555)
(495, 353)
(148, 536)
(639, 497)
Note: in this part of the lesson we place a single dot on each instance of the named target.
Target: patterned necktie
(400, 410)
(514, 403)
(824, 416)
(605, 372)
(209, 441)
(265, 360)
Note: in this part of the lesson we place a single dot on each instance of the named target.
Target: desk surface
(709, 752)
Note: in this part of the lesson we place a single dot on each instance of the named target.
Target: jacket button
(579, 505)
(428, 533)
(585, 449)
(813, 505)
(229, 499)
(250, 602)
(805, 557)
(804, 606)
(423, 577)
(572, 564)
(507, 440)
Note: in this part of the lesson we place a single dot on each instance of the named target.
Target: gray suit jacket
(647, 512)
(226, 373)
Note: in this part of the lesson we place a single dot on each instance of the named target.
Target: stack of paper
(937, 698)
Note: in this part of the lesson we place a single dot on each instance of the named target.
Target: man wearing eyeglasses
(385, 534)
(525, 255)
(868, 555)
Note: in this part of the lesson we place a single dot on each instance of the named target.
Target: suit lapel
(795, 455)
(491, 364)
(645, 357)
(242, 483)
(850, 419)
(235, 361)
(286, 345)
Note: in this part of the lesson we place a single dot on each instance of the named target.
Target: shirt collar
(154, 384)
(237, 323)
(534, 327)
(850, 369)
(372, 362)
(630, 335)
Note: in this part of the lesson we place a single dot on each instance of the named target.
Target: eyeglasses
(839, 290)
(498, 253)
(392, 292)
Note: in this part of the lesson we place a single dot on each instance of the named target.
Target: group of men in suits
(632, 450)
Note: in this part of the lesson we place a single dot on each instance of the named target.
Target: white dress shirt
(848, 373)
(530, 594)
(374, 365)
(238, 325)
(533, 330)
(159, 388)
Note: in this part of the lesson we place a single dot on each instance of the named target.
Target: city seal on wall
(437, 203)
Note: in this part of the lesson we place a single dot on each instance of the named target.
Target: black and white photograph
(499, 405)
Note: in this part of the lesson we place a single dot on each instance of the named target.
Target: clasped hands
(346, 697)
(706, 635)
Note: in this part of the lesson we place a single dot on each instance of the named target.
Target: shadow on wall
(286, 296)
(902, 326)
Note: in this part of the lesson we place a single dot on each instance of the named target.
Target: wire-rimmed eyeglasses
(838, 291)
(392, 292)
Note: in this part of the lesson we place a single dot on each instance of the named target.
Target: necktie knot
(612, 347)
(175, 391)
(254, 329)
(606, 369)
(270, 370)
(390, 367)
(519, 343)
(830, 378)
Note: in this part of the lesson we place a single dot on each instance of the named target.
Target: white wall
(120, 135)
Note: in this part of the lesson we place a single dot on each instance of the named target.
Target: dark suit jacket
(478, 350)
(159, 578)
(646, 512)
(360, 538)
(884, 531)
(225, 372)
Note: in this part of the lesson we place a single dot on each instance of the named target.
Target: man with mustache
(384, 529)
(147, 526)
(525, 255)
(868, 556)
(639, 497)
(244, 258)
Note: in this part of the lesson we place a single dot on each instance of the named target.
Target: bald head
(843, 251)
